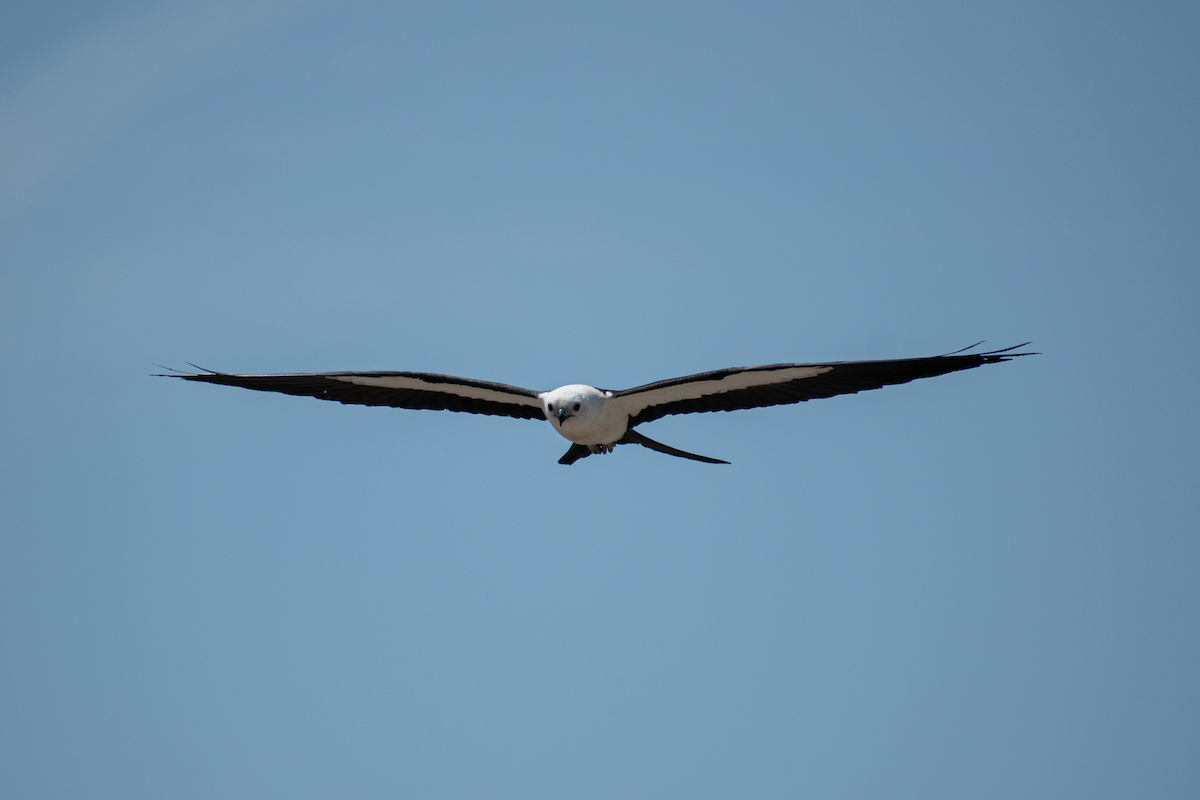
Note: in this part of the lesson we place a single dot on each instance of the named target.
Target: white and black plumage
(596, 420)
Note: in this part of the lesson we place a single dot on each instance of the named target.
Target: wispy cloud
(81, 94)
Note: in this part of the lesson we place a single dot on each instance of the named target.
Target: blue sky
(981, 585)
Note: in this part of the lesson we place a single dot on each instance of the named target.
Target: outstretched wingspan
(396, 389)
(595, 420)
(780, 384)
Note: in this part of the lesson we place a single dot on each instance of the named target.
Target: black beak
(562, 415)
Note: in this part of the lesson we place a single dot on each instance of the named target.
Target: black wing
(396, 389)
(780, 384)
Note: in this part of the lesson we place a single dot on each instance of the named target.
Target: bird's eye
(551, 407)
(577, 406)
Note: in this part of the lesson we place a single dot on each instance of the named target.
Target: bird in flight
(596, 420)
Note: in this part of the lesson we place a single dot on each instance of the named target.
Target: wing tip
(993, 356)
(178, 373)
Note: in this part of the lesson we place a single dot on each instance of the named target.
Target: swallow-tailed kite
(596, 420)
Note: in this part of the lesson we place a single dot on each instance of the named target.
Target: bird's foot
(601, 448)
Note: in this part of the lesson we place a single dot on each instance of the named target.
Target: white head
(576, 412)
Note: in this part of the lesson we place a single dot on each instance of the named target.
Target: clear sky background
(984, 585)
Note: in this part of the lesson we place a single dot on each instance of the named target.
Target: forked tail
(631, 436)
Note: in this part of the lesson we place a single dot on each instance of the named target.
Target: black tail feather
(633, 437)
(576, 452)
